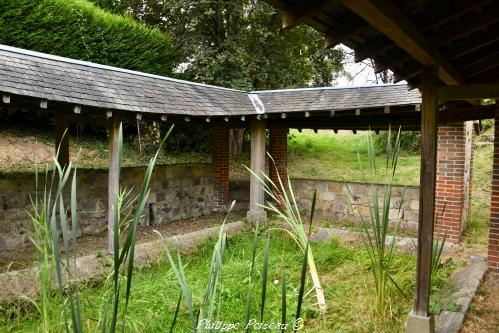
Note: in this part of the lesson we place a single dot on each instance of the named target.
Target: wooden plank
(302, 11)
(113, 176)
(427, 189)
(470, 91)
(386, 18)
(62, 138)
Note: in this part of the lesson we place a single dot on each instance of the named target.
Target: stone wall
(333, 202)
(177, 192)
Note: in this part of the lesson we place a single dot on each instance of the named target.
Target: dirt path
(483, 316)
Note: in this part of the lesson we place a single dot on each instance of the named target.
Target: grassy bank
(344, 270)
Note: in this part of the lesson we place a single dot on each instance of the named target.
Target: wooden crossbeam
(386, 18)
(466, 92)
(302, 11)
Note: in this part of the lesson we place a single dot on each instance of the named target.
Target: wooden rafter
(432, 21)
(346, 30)
(464, 92)
(473, 43)
(385, 17)
(302, 11)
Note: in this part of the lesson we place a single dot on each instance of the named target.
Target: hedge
(78, 29)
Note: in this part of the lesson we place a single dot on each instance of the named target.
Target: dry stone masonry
(177, 192)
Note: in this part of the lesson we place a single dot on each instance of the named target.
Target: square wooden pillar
(62, 138)
(493, 253)
(113, 177)
(220, 163)
(420, 320)
(257, 214)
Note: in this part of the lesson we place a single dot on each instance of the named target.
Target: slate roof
(326, 99)
(54, 78)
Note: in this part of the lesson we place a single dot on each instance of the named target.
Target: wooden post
(419, 319)
(113, 177)
(62, 138)
(256, 213)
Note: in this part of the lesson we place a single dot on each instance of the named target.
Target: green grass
(344, 271)
(476, 233)
(325, 155)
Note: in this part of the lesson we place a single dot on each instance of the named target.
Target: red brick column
(220, 162)
(451, 155)
(278, 149)
(493, 256)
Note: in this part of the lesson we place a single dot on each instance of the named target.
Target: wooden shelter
(448, 49)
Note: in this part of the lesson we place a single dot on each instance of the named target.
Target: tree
(237, 44)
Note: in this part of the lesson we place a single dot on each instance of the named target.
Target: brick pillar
(493, 256)
(453, 179)
(220, 162)
(278, 149)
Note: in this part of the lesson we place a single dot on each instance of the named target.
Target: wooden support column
(420, 320)
(113, 177)
(256, 213)
(62, 138)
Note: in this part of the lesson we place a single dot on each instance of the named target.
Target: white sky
(362, 74)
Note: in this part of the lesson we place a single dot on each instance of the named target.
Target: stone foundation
(333, 202)
(177, 192)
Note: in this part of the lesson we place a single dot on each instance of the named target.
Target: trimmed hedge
(78, 29)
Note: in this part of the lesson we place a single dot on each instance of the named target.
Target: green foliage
(80, 30)
(376, 225)
(237, 43)
(410, 142)
(50, 220)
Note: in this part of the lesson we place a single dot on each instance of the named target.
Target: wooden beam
(386, 18)
(481, 66)
(427, 190)
(465, 92)
(345, 31)
(302, 11)
(113, 176)
(257, 214)
(429, 22)
(62, 138)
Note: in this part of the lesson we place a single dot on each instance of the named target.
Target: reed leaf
(264, 276)
(302, 285)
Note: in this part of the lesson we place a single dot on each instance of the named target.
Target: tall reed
(283, 204)
(52, 218)
(376, 225)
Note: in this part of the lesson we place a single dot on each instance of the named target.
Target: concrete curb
(24, 283)
(466, 282)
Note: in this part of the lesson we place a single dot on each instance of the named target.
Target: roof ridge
(106, 67)
(329, 88)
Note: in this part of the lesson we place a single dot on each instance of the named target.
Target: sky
(362, 74)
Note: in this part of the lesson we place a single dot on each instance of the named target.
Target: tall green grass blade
(250, 277)
(302, 285)
(312, 211)
(264, 276)
(283, 299)
(174, 322)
